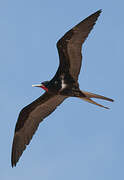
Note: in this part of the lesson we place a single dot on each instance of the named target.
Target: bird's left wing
(29, 119)
(69, 46)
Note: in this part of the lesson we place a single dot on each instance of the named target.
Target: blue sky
(79, 140)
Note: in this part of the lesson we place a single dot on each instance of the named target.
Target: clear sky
(79, 140)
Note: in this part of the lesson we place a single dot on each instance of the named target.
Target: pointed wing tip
(13, 162)
(13, 165)
(98, 12)
(16, 151)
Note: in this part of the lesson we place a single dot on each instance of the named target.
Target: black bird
(63, 85)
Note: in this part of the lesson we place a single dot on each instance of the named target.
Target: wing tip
(98, 12)
(13, 164)
(13, 159)
(16, 152)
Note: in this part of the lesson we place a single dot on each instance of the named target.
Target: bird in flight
(63, 85)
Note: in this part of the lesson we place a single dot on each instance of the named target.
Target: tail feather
(92, 95)
(93, 102)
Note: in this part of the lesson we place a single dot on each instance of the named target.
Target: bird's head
(43, 85)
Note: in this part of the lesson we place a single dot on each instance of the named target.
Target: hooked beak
(37, 85)
(41, 86)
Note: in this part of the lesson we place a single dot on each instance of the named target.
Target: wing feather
(69, 46)
(29, 120)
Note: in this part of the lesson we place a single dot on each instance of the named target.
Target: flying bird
(63, 85)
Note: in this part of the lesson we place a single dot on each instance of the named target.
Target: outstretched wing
(29, 119)
(69, 46)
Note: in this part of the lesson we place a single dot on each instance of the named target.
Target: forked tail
(92, 95)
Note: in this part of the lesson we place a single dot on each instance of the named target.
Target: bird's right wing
(29, 119)
(69, 46)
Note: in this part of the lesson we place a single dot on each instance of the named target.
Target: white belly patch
(63, 85)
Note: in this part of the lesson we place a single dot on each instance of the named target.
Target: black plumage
(63, 85)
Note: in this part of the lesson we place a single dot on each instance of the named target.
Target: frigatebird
(63, 85)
